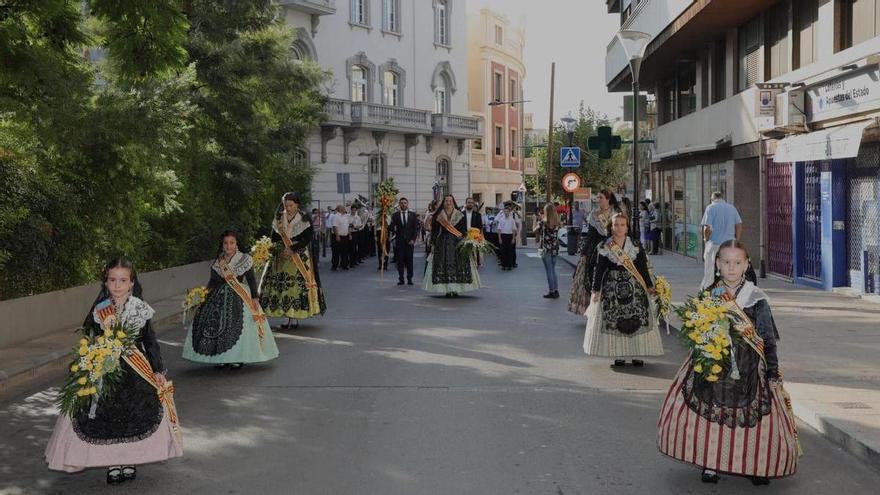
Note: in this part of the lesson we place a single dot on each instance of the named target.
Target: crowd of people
(705, 422)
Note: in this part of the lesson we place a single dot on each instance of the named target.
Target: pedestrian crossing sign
(570, 157)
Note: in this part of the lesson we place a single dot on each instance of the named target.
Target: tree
(594, 173)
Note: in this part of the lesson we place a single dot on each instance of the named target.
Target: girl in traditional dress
(291, 286)
(229, 328)
(621, 321)
(597, 231)
(447, 271)
(132, 425)
(741, 426)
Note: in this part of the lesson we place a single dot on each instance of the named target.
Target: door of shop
(779, 218)
(811, 261)
(863, 219)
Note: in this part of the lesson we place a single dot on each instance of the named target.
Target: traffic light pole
(634, 228)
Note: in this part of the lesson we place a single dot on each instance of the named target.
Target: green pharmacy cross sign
(604, 142)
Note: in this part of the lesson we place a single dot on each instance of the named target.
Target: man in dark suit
(404, 228)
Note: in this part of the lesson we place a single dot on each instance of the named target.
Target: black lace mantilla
(131, 414)
(218, 323)
(624, 303)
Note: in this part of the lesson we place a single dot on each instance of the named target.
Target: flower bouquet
(95, 369)
(706, 331)
(474, 243)
(194, 297)
(261, 252)
(664, 298)
(387, 191)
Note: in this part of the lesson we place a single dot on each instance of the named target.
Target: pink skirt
(768, 449)
(67, 452)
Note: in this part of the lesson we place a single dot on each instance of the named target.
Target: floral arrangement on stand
(664, 299)
(261, 252)
(387, 192)
(706, 331)
(194, 297)
(94, 370)
(474, 243)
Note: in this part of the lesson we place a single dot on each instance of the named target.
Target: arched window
(358, 83)
(441, 96)
(443, 177)
(303, 48)
(443, 86)
(392, 89)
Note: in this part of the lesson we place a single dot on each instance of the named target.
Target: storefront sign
(765, 104)
(844, 96)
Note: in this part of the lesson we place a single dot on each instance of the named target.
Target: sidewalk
(829, 352)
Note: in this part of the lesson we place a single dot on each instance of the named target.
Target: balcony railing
(387, 117)
(456, 126)
(338, 112)
(320, 7)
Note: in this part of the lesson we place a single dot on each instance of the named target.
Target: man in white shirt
(356, 226)
(508, 229)
(341, 239)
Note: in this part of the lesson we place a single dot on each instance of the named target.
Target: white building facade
(398, 106)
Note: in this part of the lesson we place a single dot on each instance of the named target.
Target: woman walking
(447, 271)
(622, 317)
(548, 246)
(229, 328)
(597, 231)
(291, 286)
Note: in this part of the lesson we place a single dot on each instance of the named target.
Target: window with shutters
(391, 15)
(441, 22)
(499, 140)
(360, 12)
(498, 87)
(719, 70)
(859, 21)
(805, 14)
(513, 143)
(749, 53)
(776, 48)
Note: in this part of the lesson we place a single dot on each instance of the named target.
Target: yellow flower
(716, 369)
(108, 332)
(698, 368)
(93, 390)
(82, 380)
(74, 368)
(710, 348)
(83, 342)
(716, 356)
(101, 340)
(82, 392)
(83, 350)
(712, 378)
(120, 334)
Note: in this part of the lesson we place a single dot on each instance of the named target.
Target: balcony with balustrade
(456, 126)
(316, 7)
(377, 117)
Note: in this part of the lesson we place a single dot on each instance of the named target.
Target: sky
(572, 33)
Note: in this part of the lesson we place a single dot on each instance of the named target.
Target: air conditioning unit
(790, 112)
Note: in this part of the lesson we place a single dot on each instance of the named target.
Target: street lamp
(634, 44)
(521, 161)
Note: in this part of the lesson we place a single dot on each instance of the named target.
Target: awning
(828, 144)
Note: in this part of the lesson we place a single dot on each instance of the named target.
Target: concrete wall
(33, 317)
(745, 196)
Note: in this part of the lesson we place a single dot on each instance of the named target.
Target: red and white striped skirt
(768, 449)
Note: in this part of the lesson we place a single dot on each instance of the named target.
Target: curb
(52, 364)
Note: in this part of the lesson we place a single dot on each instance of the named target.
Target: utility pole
(550, 136)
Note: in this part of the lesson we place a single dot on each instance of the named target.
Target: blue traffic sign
(570, 157)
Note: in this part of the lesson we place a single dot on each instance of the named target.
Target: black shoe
(129, 473)
(454, 294)
(619, 363)
(114, 475)
(638, 363)
(236, 366)
(400, 282)
(759, 480)
(332, 268)
(555, 294)
(409, 282)
(710, 476)
(548, 295)
(220, 366)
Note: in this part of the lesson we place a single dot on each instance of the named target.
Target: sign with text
(765, 104)
(845, 95)
(583, 194)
